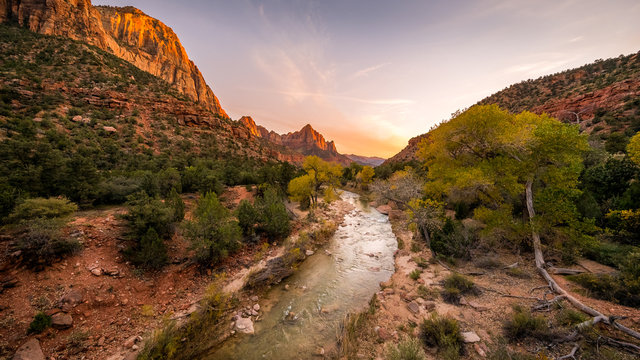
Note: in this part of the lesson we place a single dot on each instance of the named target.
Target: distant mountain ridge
(366, 160)
(306, 141)
(603, 96)
(125, 32)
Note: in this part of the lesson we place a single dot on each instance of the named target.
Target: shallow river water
(323, 290)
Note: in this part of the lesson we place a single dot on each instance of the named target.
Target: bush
(146, 212)
(453, 240)
(213, 233)
(39, 324)
(174, 201)
(274, 219)
(443, 332)
(116, 189)
(407, 349)
(456, 285)
(247, 216)
(43, 208)
(41, 242)
(522, 324)
(415, 274)
(150, 252)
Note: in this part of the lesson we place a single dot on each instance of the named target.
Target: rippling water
(323, 290)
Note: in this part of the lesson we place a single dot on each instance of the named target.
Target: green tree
(247, 216)
(274, 219)
(213, 233)
(151, 252)
(492, 157)
(176, 204)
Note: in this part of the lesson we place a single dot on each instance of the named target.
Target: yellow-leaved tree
(319, 174)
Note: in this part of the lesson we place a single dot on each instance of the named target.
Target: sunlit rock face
(126, 32)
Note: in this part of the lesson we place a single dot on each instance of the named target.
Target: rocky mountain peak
(126, 32)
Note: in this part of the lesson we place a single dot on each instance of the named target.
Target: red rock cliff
(126, 32)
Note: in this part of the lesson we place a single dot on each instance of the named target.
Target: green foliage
(274, 219)
(623, 288)
(42, 242)
(213, 233)
(616, 143)
(145, 212)
(167, 342)
(150, 252)
(43, 208)
(415, 274)
(407, 349)
(485, 156)
(443, 332)
(40, 323)
(570, 317)
(523, 324)
(247, 216)
(454, 240)
(456, 285)
(174, 201)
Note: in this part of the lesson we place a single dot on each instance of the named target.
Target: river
(336, 280)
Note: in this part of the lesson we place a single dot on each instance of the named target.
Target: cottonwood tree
(633, 148)
(319, 174)
(491, 157)
(365, 176)
(405, 188)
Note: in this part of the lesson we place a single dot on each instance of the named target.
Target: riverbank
(106, 306)
(234, 301)
(414, 293)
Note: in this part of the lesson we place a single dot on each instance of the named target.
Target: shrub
(443, 332)
(456, 285)
(41, 242)
(453, 240)
(247, 217)
(487, 262)
(116, 189)
(150, 252)
(569, 317)
(176, 204)
(274, 219)
(415, 274)
(517, 273)
(43, 208)
(146, 212)
(39, 323)
(213, 233)
(407, 349)
(522, 324)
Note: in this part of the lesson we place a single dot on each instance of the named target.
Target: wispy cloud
(366, 71)
(576, 39)
(299, 94)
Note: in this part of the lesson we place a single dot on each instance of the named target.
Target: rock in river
(244, 325)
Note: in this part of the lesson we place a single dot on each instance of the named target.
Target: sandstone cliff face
(126, 32)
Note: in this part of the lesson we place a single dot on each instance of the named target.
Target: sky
(370, 74)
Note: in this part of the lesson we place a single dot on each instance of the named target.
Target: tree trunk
(539, 257)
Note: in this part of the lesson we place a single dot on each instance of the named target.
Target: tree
(405, 188)
(498, 158)
(274, 219)
(247, 217)
(319, 174)
(366, 176)
(213, 232)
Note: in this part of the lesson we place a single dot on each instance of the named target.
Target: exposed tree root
(509, 295)
(563, 271)
(572, 354)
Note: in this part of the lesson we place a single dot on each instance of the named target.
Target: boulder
(244, 325)
(309, 252)
(72, 298)
(77, 118)
(413, 307)
(470, 337)
(256, 307)
(384, 209)
(110, 129)
(61, 320)
(30, 350)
